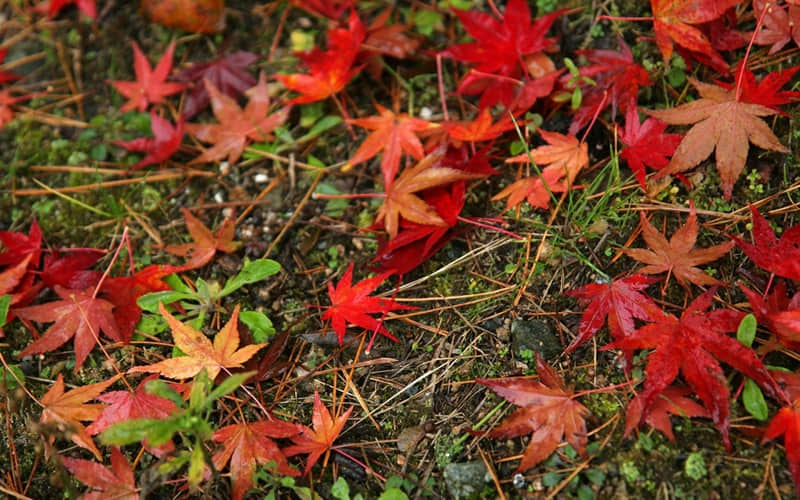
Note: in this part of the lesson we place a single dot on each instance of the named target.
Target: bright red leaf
(393, 134)
(117, 483)
(237, 126)
(165, 142)
(388, 39)
(127, 405)
(228, 74)
(617, 80)
(68, 409)
(766, 92)
(352, 304)
(205, 243)
(677, 257)
(616, 303)
(673, 20)
(329, 70)
(778, 312)
(692, 345)
(78, 314)
(548, 411)
(18, 246)
(248, 445)
(779, 256)
(318, 440)
(332, 9)
(503, 48)
(52, 7)
(673, 400)
(124, 291)
(150, 86)
(787, 424)
(69, 268)
(646, 144)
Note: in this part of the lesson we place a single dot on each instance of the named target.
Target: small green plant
(695, 466)
(574, 93)
(206, 295)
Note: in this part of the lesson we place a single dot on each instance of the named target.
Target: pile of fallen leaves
(201, 411)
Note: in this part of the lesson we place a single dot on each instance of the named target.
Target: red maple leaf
(778, 312)
(646, 144)
(78, 314)
(320, 439)
(503, 48)
(237, 126)
(127, 405)
(779, 256)
(393, 134)
(780, 26)
(118, 483)
(616, 303)
(18, 246)
(228, 74)
(124, 291)
(6, 76)
(68, 409)
(787, 424)
(617, 80)
(69, 268)
(387, 39)
(6, 101)
(150, 86)
(248, 445)
(53, 7)
(205, 244)
(547, 410)
(673, 20)
(330, 70)
(352, 304)
(692, 345)
(766, 92)
(165, 141)
(673, 401)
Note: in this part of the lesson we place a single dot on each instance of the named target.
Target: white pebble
(260, 178)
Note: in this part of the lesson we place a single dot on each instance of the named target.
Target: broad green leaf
(164, 390)
(130, 431)
(340, 489)
(754, 402)
(746, 332)
(259, 324)
(252, 272)
(393, 494)
(149, 301)
(229, 385)
(5, 302)
(12, 377)
(197, 465)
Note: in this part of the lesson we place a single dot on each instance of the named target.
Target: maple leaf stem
(366, 467)
(345, 115)
(743, 64)
(603, 389)
(596, 114)
(476, 222)
(355, 196)
(19, 382)
(122, 241)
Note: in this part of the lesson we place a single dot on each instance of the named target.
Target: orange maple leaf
(68, 409)
(248, 445)
(319, 440)
(479, 129)
(236, 126)
(206, 243)
(721, 122)
(547, 410)
(393, 134)
(564, 157)
(401, 200)
(677, 256)
(200, 353)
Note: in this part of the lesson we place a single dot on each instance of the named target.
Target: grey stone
(466, 479)
(536, 335)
